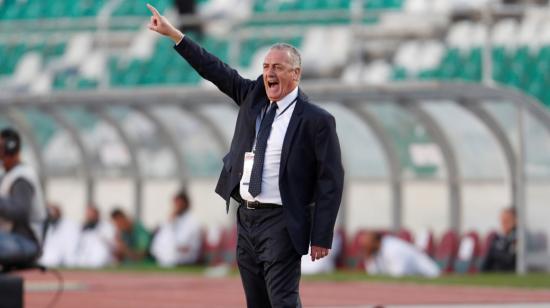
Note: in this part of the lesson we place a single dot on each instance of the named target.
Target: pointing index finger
(153, 10)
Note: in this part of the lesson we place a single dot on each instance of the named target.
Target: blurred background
(441, 107)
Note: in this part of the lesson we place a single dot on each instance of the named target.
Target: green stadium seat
(261, 6)
(138, 8)
(429, 74)
(35, 9)
(12, 11)
(450, 65)
(87, 8)
(84, 83)
(537, 89)
(60, 81)
(471, 68)
(56, 9)
(382, 4)
(399, 73)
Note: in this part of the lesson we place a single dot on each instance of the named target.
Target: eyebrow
(274, 64)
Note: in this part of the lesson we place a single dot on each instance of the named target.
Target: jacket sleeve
(215, 70)
(17, 206)
(329, 182)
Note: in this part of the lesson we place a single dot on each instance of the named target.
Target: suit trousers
(17, 249)
(268, 263)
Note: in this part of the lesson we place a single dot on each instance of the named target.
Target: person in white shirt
(60, 243)
(389, 255)
(178, 242)
(96, 241)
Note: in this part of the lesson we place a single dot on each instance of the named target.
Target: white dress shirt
(272, 161)
(398, 258)
(95, 245)
(60, 244)
(182, 232)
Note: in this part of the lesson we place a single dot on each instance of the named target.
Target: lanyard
(264, 112)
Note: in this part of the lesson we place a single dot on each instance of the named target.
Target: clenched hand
(160, 24)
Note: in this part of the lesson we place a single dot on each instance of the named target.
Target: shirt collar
(287, 100)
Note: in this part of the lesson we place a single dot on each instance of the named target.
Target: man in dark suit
(284, 160)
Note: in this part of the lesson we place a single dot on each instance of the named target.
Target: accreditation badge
(247, 168)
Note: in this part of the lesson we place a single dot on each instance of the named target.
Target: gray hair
(295, 58)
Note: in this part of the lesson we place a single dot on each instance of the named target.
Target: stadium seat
(27, 68)
(469, 252)
(504, 33)
(377, 72)
(416, 6)
(352, 73)
(383, 4)
(334, 55)
(446, 250)
(484, 248)
(341, 258)
(229, 246)
(406, 56)
(37, 9)
(355, 252)
(211, 247)
(261, 6)
(78, 48)
(405, 235)
(138, 8)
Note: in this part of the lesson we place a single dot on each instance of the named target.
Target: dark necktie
(255, 186)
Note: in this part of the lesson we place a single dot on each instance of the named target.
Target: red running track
(99, 289)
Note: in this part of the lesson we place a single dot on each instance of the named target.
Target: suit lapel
(292, 129)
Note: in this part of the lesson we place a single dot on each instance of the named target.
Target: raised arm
(206, 64)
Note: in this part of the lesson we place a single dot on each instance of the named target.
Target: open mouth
(272, 84)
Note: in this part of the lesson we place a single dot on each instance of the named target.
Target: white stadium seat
(27, 68)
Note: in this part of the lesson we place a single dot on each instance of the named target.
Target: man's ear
(297, 72)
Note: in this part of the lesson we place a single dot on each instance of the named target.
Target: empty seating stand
(47, 9)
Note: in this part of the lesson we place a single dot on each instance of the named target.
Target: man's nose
(270, 71)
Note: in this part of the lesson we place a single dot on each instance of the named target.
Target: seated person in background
(501, 256)
(61, 241)
(326, 264)
(131, 238)
(178, 241)
(96, 241)
(22, 210)
(389, 255)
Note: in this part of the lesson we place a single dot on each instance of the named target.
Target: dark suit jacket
(311, 169)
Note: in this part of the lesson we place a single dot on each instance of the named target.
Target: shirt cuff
(181, 40)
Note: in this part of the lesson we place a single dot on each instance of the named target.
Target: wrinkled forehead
(277, 56)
